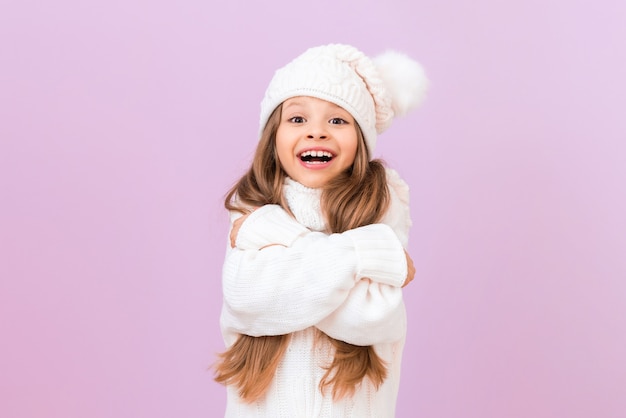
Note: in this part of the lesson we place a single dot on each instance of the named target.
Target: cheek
(280, 143)
(283, 151)
(350, 147)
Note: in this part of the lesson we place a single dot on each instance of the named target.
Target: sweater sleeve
(271, 225)
(374, 313)
(268, 225)
(282, 289)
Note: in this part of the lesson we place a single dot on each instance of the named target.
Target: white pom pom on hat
(405, 80)
(374, 91)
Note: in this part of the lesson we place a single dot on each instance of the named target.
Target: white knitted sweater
(347, 285)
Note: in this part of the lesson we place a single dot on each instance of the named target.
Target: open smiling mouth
(316, 157)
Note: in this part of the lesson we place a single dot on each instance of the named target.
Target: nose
(317, 131)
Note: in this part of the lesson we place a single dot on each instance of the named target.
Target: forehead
(308, 101)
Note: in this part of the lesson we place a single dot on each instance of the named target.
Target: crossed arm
(280, 277)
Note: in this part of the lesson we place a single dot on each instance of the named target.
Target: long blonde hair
(358, 196)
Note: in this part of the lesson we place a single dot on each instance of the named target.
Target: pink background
(122, 123)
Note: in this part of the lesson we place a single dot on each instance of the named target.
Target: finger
(233, 235)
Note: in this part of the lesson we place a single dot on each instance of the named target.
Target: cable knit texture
(318, 281)
(373, 91)
(304, 203)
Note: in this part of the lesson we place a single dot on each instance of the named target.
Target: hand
(235, 229)
(410, 275)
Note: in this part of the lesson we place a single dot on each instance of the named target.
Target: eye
(338, 121)
(296, 119)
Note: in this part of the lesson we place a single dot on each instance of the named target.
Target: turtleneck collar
(304, 203)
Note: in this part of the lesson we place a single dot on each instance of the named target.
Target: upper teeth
(314, 153)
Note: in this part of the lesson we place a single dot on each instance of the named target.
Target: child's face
(316, 140)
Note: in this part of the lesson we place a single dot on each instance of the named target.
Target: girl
(313, 316)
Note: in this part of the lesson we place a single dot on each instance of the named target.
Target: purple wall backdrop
(122, 123)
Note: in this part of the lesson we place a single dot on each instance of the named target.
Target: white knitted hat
(373, 91)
